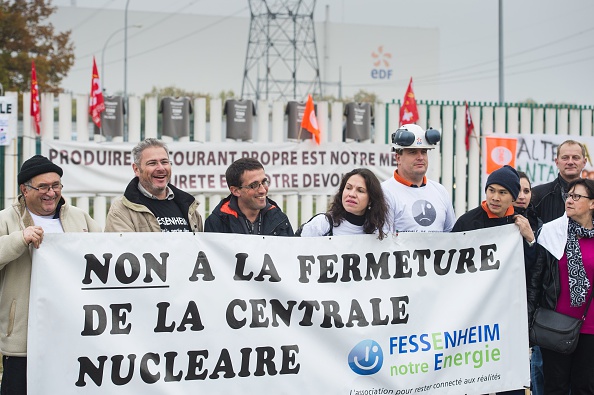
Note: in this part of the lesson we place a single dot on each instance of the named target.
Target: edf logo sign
(381, 62)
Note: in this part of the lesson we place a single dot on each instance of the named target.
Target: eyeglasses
(256, 184)
(46, 188)
(574, 196)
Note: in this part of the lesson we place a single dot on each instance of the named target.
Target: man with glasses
(414, 202)
(248, 210)
(150, 203)
(38, 209)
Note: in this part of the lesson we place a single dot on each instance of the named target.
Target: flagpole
(126, 72)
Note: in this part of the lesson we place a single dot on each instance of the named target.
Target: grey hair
(146, 143)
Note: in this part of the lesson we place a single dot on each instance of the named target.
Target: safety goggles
(405, 138)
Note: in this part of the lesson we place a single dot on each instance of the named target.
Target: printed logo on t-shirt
(173, 224)
(424, 213)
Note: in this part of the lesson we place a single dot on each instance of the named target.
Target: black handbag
(555, 331)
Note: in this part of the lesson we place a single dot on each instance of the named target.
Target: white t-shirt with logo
(423, 209)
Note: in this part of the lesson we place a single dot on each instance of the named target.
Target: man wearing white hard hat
(416, 204)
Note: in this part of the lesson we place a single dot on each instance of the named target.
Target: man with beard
(150, 203)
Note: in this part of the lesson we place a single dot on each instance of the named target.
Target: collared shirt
(146, 193)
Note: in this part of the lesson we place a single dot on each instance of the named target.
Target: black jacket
(227, 218)
(545, 281)
(477, 218)
(547, 199)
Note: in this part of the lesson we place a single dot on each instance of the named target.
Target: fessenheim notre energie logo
(366, 358)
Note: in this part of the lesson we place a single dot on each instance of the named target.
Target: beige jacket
(128, 214)
(15, 269)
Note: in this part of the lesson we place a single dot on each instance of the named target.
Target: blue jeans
(536, 375)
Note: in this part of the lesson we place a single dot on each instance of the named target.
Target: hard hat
(413, 136)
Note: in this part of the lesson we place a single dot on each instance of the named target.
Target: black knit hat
(508, 178)
(35, 166)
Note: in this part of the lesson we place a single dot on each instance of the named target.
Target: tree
(26, 36)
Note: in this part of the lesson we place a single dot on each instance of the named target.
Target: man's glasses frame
(46, 188)
(256, 185)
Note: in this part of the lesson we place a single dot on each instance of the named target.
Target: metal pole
(102, 76)
(501, 99)
(126, 51)
(103, 58)
(126, 72)
(326, 56)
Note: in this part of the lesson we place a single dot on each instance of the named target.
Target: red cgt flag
(96, 104)
(35, 111)
(409, 112)
(309, 121)
(469, 127)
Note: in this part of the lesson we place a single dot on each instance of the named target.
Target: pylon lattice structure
(281, 62)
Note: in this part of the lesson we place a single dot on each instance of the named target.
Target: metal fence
(457, 168)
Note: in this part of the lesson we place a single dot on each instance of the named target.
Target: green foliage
(359, 97)
(363, 96)
(25, 35)
(173, 91)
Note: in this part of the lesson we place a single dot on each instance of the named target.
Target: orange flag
(96, 104)
(309, 121)
(501, 151)
(35, 111)
(409, 112)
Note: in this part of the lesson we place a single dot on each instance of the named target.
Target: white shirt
(48, 223)
(319, 226)
(423, 209)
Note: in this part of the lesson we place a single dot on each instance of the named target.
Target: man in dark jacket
(503, 187)
(547, 199)
(248, 210)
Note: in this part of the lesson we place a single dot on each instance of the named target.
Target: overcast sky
(548, 44)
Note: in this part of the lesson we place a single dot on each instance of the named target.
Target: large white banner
(106, 168)
(155, 313)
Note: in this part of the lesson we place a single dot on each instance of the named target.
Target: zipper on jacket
(11, 318)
